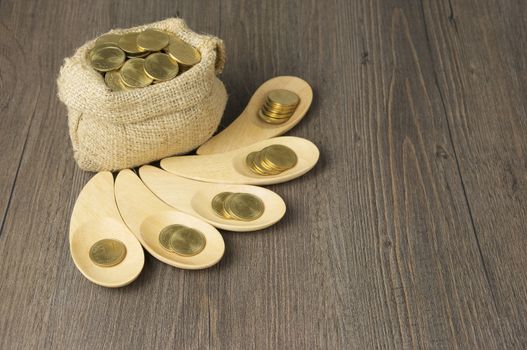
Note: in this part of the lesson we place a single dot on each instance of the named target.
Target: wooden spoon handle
(248, 128)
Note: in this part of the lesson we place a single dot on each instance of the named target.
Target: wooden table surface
(411, 232)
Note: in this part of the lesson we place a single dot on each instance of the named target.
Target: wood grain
(409, 232)
(488, 124)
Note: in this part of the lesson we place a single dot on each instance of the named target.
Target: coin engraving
(107, 252)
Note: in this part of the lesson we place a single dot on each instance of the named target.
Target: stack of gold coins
(238, 206)
(279, 106)
(272, 160)
(138, 59)
(182, 240)
(107, 252)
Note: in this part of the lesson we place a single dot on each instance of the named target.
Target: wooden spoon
(230, 167)
(146, 215)
(248, 128)
(195, 197)
(95, 217)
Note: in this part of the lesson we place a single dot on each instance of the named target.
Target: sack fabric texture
(115, 130)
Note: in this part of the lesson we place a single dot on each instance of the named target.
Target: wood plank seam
(451, 16)
(210, 287)
(454, 148)
(21, 157)
(20, 47)
(487, 123)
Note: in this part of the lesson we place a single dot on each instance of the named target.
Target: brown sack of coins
(141, 94)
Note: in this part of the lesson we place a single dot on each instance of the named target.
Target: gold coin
(264, 164)
(274, 121)
(267, 165)
(273, 103)
(187, 242)
(244, 206)
(273, 117)
(272, 110)
(271, 120)
(106, 58)
(110, 39)
(281, 157)
(152, 40)
(277, 109)
(107, 252)
(276, 115)
(263, 167)
(249, 160)
(114, 82)
(254, 163)
(182, 52)
(251, 163)
(217, 204)
(138, 55)
(128, 43)
(133, 73)
(283, 98)
(160, 66)
(279, 113)
(166, 234)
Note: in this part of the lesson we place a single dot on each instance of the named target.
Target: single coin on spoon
(175, 238)
(251, 208)
(267, 162)
(101, 245)
(277, 106)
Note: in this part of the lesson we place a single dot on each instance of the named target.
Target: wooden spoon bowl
(195, 197)
(248, 128)
(230, 167)
(210, 255)
(95, 217)
(115, 276)
(146, 215)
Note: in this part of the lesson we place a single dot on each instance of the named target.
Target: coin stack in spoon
(138, 59)
(182, 240)
(238, 206)
(279, 106)
(271, 160)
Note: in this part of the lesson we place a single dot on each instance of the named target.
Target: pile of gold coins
(238, 206)
(279, 106)
(107, 252)
(182, 240)
(272, 160)
(138, 59)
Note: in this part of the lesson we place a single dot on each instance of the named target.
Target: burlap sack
(116, 130)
